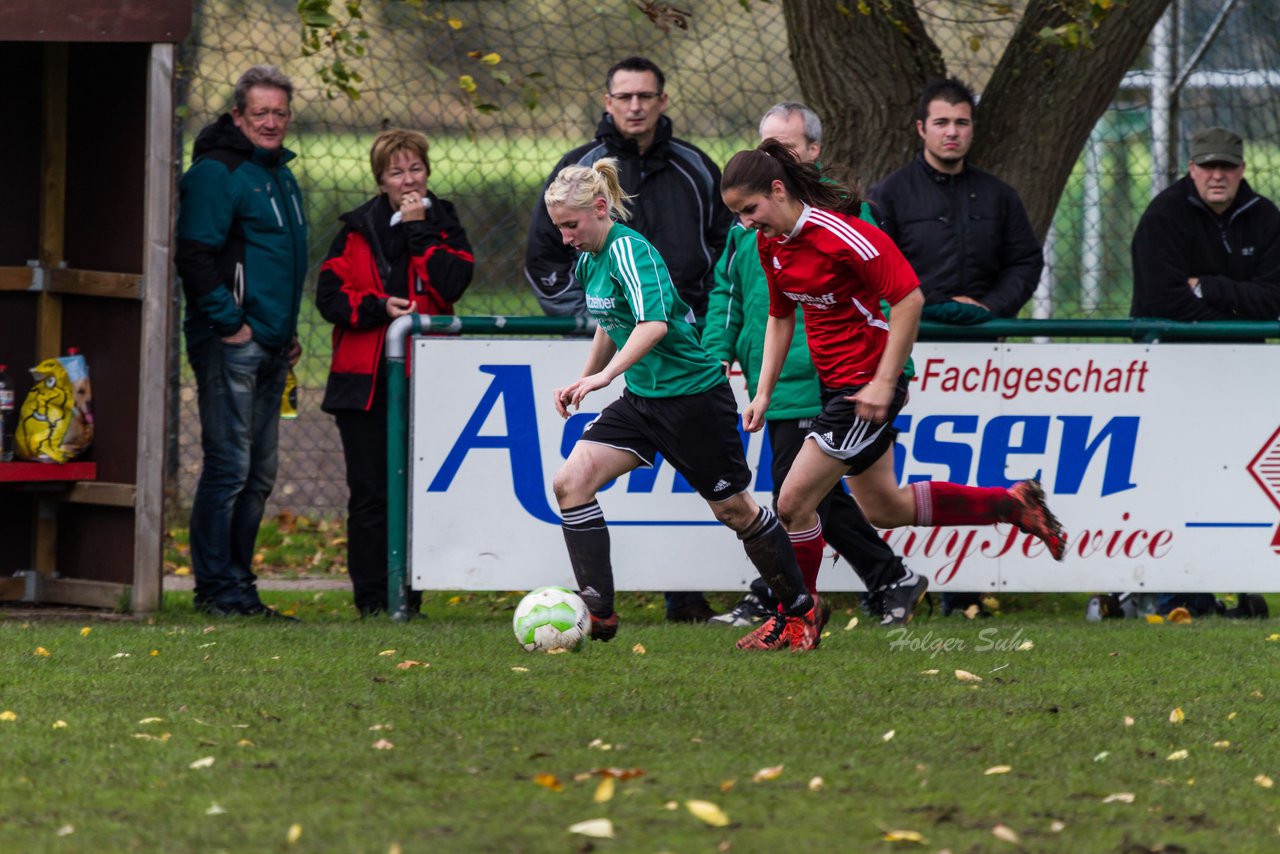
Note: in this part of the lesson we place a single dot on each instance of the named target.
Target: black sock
(587, 537)
(769, 549)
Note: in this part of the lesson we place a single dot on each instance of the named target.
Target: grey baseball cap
(1217, 145)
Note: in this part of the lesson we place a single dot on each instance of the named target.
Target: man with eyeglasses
(676, 186)
(1208, 247)
(676, 205)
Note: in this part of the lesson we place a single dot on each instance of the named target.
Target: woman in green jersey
(676, 403)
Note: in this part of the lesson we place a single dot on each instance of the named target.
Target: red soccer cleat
(1031, 516)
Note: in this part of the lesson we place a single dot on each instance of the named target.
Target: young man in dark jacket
(964, 230)
(1208, 247)
(676, 186)
(242, 257)
(676, 206)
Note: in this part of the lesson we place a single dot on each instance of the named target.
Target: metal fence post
(399, 333)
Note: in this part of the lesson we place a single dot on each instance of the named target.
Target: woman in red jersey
(818, 254)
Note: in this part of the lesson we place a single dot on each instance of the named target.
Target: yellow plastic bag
(56, 421)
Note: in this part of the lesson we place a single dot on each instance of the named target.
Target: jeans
(239, 388)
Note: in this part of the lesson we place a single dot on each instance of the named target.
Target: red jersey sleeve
(888, 274)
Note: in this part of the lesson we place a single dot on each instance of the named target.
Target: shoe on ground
(823, 616)
(783, 631)
(697, 612)
(899, 599)
(217, 609)
(748, 612)
(260, 610)
(604, 628)
(1031, 516)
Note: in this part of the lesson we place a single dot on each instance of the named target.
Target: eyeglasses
(628, 97)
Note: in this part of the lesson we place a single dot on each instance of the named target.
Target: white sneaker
(748, 612)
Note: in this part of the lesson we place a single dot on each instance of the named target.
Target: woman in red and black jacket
(402, 251)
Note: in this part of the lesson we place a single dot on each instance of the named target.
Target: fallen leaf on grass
(1154, 619)
(1057, 826)
(1177, 756)
(380, 727)
(42, 652)
(1119, 797)
(59, 724)
(853, 624)
(387, 652)
(549, 781)
(618, 773)
(596, 828)
(8, 715)
(1006, 834)
(888, 736)
(816, 784)
(604, 792)
(1222, 745)
(154, 653)
(671, 805)
(205, 762)
(998, 769)
(773, 772)
(1231, 716)
(1101, 756)
(708, 813)
(599, 744)
(1128, 721)
(121, 655)
(151, 721)
(519, 670)
(407, 663)
(726, 785)
(65, 830)
(1264, 781)
(1273, 637)
(966, 676)
(1026, 645)
(383, 744)
(639, 649)
(294, 834)
(1177, 716)
(214, 809)
(972, 612)
(903, 836)
(933, 672)
(84, 633)
(244, 742)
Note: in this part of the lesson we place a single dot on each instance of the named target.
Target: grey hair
(580, 186)
(260, 75)
(787, 109)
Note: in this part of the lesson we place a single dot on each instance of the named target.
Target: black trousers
(364, 447)
(843, 524)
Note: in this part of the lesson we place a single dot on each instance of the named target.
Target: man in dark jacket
(677, 204)
(242, 256)
(1208, 247)
(964, 230)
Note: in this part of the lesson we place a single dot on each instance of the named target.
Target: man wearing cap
(1208, 247)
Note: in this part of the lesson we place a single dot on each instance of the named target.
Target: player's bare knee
(736, 513)
(569, 485)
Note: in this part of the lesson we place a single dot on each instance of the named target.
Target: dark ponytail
(755, 171)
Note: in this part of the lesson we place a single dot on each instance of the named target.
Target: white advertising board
(1162, 461)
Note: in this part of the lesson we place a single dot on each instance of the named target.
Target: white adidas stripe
(841, 229)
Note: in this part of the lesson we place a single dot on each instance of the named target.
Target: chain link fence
(1210, 63)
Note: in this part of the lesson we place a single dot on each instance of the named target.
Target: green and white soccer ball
(551, 619)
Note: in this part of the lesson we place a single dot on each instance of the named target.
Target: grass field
(177, 734)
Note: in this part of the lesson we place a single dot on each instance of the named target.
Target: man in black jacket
(964, 230)
(676, 186)
(1208, 247)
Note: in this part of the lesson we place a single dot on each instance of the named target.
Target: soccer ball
(551, 618)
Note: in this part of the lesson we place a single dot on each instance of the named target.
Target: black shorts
(696, 433)
(840, 433)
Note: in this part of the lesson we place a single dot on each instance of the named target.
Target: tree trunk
(863, 72)
(863, 75)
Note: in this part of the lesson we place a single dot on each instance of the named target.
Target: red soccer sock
(809, 546)
(940, 503)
